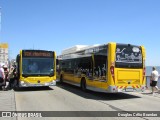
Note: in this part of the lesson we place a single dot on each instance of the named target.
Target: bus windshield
(37, 66)
(128, 56)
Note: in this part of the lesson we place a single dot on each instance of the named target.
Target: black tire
(83, 84)
(61, 79)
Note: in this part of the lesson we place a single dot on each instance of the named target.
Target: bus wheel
(61, 79)
(83, 84)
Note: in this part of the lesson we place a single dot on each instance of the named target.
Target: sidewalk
(148, 91)
(7, 103)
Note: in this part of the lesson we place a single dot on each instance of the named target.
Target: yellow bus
(111, 67)
(35, 68)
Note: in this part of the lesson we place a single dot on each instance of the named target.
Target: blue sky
(59, 24)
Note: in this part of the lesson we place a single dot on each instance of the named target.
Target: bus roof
(79, 48)
(79, 51)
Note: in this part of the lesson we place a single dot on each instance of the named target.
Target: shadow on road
(96, 95)
(34, 89)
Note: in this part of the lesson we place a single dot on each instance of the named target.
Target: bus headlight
(23, 83)
(54, 82)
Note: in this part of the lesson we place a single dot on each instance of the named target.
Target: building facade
(4, 53)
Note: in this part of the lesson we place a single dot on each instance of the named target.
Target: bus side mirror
(17, 59)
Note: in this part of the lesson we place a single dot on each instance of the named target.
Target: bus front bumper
(26, 84)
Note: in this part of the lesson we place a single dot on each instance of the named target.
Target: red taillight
(144, 71)
(112, 72)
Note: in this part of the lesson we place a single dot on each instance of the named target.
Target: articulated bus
(35, 68)
(109, 68)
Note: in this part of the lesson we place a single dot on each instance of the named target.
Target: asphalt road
(70, 98)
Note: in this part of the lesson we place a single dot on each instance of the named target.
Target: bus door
(84, 68)
(100, 67)
(90, 72)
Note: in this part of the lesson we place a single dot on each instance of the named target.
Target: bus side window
(57, 62)
(63, 63)
(57, 65)
(17, 67)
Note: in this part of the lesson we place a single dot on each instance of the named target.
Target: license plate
(129, 90)
(38, 84)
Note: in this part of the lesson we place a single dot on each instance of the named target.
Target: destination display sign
(33, 53)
